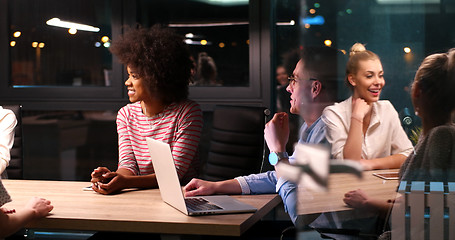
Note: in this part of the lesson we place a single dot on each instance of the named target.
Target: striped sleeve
(186, 140)
(127, 157)
(179, 125)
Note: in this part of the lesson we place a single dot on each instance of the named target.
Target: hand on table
(366, 164)
(40, 206)
(106, 182)
(276, 132)
(356, 199)
(100, 174)
(198, 187)
(115, 183)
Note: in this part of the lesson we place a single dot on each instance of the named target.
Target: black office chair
(15, 168)
(237, 144)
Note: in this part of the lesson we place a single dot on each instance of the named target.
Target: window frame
(61, 97)
(113, 97)
(258, 92)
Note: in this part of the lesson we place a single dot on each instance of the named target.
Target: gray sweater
(434, 158)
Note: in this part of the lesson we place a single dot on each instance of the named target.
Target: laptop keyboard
(200, 204)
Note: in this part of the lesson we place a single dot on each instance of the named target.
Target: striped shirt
(179, 125)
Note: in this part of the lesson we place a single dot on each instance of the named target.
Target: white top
(7, 123)
(384, 137)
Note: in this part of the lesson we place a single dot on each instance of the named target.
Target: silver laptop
(172, 192)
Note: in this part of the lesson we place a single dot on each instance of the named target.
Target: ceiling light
(225, 2)
(105, 39)
(56, 22)
(213, 24)
(328, 43)
(290, 23)
(72, 31)
(408, 1)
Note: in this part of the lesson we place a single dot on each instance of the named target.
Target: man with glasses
(312, 87)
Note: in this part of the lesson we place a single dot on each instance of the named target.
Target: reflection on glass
(75, 142)
(217, 33)
(59, 43)
(287, 55)
(402, 33)
(206, 71)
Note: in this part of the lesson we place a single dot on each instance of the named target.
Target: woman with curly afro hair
(159, 71)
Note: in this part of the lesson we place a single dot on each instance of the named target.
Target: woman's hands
(356, 199)
(360, 109)
(353, 146)
(360, 200)
(39, 206)
(367, 164)
(106, 182)
(100, 175)
(11, 220)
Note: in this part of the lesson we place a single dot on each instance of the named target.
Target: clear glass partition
(62, 47)
(217, 33)
(402, 33)
(60, 43)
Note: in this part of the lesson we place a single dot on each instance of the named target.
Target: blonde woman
(434, 158)
(362, 127)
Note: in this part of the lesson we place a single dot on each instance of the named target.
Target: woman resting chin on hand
(364, 128)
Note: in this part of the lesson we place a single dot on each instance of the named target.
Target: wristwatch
(275, 157)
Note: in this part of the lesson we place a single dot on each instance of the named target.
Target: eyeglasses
(292, 79)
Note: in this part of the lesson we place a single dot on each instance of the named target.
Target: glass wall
(55, 54)
(62, 49)
(217, 34)
(66, 44)
(59, 68)
(402, 33)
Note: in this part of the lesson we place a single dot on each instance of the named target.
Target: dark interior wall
(69, 145)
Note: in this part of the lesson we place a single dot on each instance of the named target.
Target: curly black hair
(161, 58)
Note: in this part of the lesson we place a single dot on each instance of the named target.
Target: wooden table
(130, 211)
(314, 203)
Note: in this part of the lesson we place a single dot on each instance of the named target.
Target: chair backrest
(424, 211)
(15, 168)
(236, 145)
